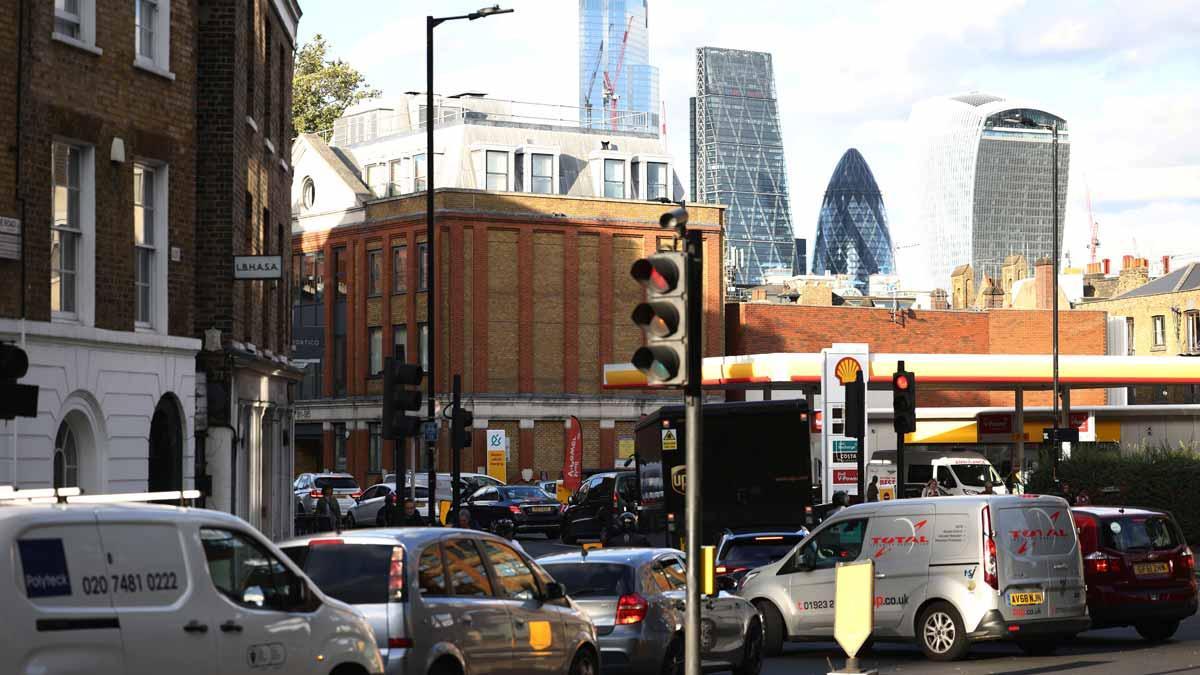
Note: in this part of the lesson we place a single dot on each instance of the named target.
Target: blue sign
(431, 431)
(45, 565)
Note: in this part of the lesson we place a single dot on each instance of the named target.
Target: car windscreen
(522, 493)
(356, 574)
(582, 580)
(761, 552)
(975, 475)
(1140, 533)
(337, 483)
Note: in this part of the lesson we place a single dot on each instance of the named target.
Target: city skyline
(1112, 74)
(614, 49)
(852, 234)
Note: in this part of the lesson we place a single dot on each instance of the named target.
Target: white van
(958, 472)
(140, 589)
(949, 571)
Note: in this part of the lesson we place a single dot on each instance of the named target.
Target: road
(1116, 651)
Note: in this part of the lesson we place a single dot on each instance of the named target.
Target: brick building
(97, 207)
(536, 295)
(245, 54)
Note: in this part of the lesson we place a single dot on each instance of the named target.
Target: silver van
(949, 571)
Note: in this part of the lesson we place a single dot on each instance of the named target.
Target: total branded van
(958, 472)
(949, 571)
(136, 588)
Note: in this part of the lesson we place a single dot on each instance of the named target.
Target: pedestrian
(1014, 483)
(1082, 499)
(625, 533)
(873, 489)
(465, 521)
(931, 489)
(410, 517)
(1066, 491)
(840, 500)
(987, 488)
(329, 511)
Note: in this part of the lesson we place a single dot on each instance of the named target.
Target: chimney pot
(1106, 262)
(1166, 260)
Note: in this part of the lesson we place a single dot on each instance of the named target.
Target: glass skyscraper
(983, 183)
(852, 231)
(602, 28)
(737, 159)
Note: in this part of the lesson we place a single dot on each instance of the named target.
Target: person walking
(409, 517)
(465, 521)
(1066, 492)
(873, 489)
(328, 511)
(931, 489)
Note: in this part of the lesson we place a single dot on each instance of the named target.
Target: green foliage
(322, 88)
(1157, 477)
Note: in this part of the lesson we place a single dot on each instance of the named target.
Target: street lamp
(432, 22)
(1052, 127)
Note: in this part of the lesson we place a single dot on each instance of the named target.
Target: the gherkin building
(852, 233)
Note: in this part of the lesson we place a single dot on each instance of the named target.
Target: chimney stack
(1043, 283)
(1107, 268)
(1166, 259)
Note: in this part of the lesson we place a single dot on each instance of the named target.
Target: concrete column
(218, 453)
(525, 449)
(608, 444)
(1019, 405)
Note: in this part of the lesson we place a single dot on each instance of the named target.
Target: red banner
(573, 456)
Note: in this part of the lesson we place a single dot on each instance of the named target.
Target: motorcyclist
(624, 533)
(508, 529)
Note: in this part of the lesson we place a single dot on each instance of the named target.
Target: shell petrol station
(1003, 431)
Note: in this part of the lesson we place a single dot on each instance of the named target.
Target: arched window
(66, 457)
(309, 192)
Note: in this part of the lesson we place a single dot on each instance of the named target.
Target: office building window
(395, 174)
(375, 272)
(145, 217)
(418, 172)
(399, 269)
(542, 172)
(614, 178)
(377, 179)
(497, 171)
(656, 180)
(400, 343)
(375, 351)
(422, 266)
(375, 453)
(423, 345)
(1160, 330)
(67, 229)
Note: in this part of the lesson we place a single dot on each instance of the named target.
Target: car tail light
(721, 569)
(326, 542)
(1188, 561)
(399, 643)
(516, 510)
(631, 609)
(314, 493)
(396, 576)
(1101, 563)
(989, 550)
(356, 495)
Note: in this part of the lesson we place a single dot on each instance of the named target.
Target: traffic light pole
(693, 401)
(860, 438)
(455, 442)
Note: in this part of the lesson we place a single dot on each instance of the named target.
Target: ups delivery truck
(757, 469)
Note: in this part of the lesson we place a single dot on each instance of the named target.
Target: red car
(1138, 568)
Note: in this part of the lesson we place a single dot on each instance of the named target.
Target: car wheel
(752, 651)
(1157, 631)
(568, 534)
(585, 663)
(673, 660)
(774, 631)
(940, 633)
(1044, 647)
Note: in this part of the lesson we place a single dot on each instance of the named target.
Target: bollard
(853, 611)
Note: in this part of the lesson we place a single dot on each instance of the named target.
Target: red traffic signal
(901, 382)
(659, 274)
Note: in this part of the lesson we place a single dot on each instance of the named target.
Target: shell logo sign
(846, 369)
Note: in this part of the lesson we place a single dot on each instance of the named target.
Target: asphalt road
(1116, 651)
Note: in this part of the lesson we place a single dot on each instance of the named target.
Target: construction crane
(610, 83)
(1094, 241)
(587, 96)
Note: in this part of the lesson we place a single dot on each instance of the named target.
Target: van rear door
(1040, 573)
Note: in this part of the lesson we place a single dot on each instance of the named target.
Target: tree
(322, 88)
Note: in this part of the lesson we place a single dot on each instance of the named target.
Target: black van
(598, 500)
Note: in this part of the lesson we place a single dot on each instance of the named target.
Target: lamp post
(432, 22)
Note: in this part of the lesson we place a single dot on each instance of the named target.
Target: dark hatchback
(740, 552)
(527, 506)
(1138, 567)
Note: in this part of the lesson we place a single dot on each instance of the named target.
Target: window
(656, 180)
(614, 178)
(339, 447)
(67, 19)
(375, 272)
(309, 192)
(152, 35)
(423, 345)
(356, 574)
(497, 171)
(66, 458)
(592, 579)
(945, 478)
(400, 342)
(66, 231)
(245, 573)
(395, 173)
(375, 351)
(145, 16)
(1160, 330)
(250, 88)
(75, 23)
(1191, 322)
(840, 542)
(468, 576)
(375, 452)
(340, 273)
(422, 267)
(266, 87)
(418, 173)
(431, 574)
(512, 573)
(542, 171)
(144, 241)
(399, 269)
(1129, 348)
(673, 572)
(377, 179)
(339, 321)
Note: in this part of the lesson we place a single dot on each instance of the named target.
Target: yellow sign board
(670, 440)
(443, 509)
(886, 494)
(561, 493)
(854, 605)
(497, 466)
(708, 554)
(625, 448)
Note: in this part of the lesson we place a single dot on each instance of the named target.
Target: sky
(1125, 76)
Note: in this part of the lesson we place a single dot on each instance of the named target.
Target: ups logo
(679, 478)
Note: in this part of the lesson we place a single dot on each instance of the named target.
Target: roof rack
(73, 495)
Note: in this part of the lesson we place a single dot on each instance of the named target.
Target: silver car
(445, 600)
(636, 597)
(308, 488)
(368, 510)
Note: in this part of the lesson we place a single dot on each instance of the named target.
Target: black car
(740, 552)
(527, 506)
(599, 500)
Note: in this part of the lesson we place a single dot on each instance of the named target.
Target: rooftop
(1183, 279)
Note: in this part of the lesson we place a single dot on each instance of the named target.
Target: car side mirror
(555, 591)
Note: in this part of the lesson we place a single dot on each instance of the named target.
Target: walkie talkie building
(852, 231)
(737, 159)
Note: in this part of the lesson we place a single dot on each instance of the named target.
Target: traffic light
(904, 401)
(460, 427)
(16, 400)
(663, 317)
(400, 394)
(856, 407)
